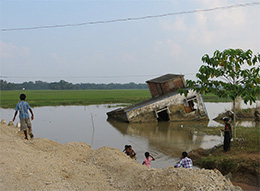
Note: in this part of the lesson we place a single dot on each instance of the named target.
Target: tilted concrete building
(166, 103)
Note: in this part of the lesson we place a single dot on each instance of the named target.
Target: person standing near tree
(23, 108)
(227, 135)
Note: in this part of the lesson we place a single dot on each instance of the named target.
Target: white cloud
(175, 49)
(231, 17)
(9, 50)
(57, 60)
(231, 26)
(15, 61)
(199, 33)
(169, 47)
(178, 25)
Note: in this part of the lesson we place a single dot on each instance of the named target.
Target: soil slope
(42, 164)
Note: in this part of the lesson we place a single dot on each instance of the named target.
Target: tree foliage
(63, 85)
(232, 73)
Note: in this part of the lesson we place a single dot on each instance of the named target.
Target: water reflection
(165, 140)
(169, 138)
(214, 109)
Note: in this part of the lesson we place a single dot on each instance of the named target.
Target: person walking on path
(185, 161)
(227, 135)
(148, 159)
(25, 121)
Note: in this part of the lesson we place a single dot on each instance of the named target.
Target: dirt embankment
(241, 168)
(42, 164)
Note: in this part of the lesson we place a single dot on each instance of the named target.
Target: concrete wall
(175, 104)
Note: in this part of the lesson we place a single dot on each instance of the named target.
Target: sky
(121, 51)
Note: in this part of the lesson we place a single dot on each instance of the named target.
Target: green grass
(73, 97)
(242, 156)
(249, 139)
(38, 98)
(213, 98)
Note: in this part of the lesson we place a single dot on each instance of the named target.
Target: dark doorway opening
(162, 115)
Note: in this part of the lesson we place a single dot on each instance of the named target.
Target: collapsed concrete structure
(166, 103)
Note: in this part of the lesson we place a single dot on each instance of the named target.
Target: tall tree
(231, 74)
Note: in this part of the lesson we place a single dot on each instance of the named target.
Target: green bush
(226, 165)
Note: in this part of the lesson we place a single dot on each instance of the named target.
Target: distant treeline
(63, 85)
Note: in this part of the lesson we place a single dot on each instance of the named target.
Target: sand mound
(42, 164)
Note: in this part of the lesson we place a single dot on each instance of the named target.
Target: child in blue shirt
(23, 108)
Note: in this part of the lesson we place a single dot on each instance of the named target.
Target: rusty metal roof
(164, 78)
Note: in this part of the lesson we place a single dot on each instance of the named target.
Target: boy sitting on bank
(185, 161)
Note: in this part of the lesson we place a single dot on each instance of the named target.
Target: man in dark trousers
(227, 135)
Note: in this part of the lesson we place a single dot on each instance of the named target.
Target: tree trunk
(234, 109)
(234, 120)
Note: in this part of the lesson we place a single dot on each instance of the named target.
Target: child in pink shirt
(148, 159)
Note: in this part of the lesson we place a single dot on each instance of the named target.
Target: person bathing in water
(129, 151)
(148, 159)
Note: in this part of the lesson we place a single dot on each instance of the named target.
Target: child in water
(126, 149)
(129, 151)
(148, 159)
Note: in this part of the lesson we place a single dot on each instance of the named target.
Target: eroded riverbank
(42, 164)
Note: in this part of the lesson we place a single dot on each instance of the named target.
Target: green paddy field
(38, 98)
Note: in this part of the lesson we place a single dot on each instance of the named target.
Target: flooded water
(165, 140)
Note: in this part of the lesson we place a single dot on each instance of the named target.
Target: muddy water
(164, 140)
